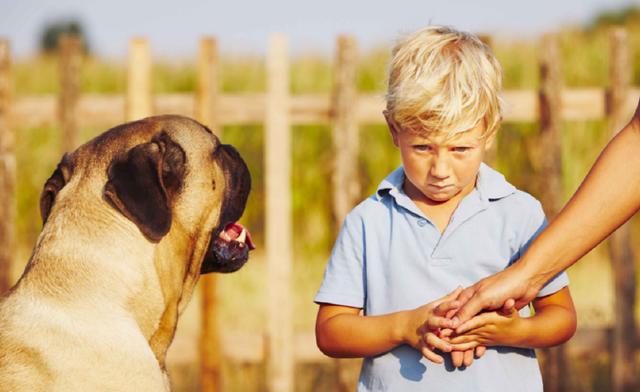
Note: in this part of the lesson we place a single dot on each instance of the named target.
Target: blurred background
(298, 88)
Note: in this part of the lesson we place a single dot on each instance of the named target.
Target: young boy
(442, 220)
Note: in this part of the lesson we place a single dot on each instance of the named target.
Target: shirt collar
(490, 184)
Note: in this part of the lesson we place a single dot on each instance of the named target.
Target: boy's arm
(342, 332)
(553, 323)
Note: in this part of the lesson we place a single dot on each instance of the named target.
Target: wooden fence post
(210, 347)
(554, 364)
(139, 102)
(208, 88)
(7, 169)
(623, 376)
(278, 218)
(491, 155)
(70, 63)
(345, 180)
(346, 187)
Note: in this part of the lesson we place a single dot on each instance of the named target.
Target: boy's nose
(440, 168)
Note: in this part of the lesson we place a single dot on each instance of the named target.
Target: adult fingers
(435, 322)
(508, 306)
(446, 307)
(451, 313)
(480, 350)
(471, 303)
(449, 297)
(474, 323)
(461, 347)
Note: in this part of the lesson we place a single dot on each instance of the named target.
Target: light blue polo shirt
(390, 257)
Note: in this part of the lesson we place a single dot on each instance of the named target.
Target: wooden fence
(345, 110)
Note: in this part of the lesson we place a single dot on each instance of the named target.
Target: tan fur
(97, 306)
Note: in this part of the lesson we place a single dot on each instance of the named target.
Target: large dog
(131, 219)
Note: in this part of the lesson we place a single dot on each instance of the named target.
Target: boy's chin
(441, 197)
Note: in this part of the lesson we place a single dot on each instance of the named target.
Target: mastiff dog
(130, 221)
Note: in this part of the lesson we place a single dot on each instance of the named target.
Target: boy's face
(439, 168)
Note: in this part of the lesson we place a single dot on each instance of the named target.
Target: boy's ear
(392, 126)
(491, 137)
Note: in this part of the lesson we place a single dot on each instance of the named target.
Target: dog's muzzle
(231, 242)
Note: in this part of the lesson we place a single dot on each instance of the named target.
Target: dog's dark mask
(226, 253)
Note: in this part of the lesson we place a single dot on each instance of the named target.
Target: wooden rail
(249, 108)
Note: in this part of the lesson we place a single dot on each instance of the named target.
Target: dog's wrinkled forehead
(186, 132)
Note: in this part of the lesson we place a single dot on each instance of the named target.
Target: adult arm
(608, 197)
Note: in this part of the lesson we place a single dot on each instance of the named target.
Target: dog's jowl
(131, 219)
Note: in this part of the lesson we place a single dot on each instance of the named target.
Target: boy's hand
(489, 329)
(424, 324)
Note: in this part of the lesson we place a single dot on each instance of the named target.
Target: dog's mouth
(235, 235)
(230, 249)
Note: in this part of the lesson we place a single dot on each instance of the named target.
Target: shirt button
(422, 222)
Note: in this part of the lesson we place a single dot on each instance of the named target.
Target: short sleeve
(343, 282)
(533, 226)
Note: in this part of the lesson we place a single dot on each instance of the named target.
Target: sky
(242, 26)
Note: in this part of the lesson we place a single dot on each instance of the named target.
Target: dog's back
(47, 347)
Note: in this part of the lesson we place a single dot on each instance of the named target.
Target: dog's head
(167, 175)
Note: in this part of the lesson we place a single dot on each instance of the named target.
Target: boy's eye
(422, 147)
(461, 149)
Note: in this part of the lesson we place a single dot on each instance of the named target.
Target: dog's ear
(143, 183)
(53, 185)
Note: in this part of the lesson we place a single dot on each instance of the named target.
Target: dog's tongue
(236, 232)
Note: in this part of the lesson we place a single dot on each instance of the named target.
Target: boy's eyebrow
(451, 142)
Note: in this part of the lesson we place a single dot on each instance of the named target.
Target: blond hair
(444, 80)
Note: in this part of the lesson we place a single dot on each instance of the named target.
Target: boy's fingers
(445, 332)
(428, 353)
(480, 350)
(468, 357)
(431, 356)
(457, 358)
(431, 340)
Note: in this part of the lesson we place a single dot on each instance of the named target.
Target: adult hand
(509, 288)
